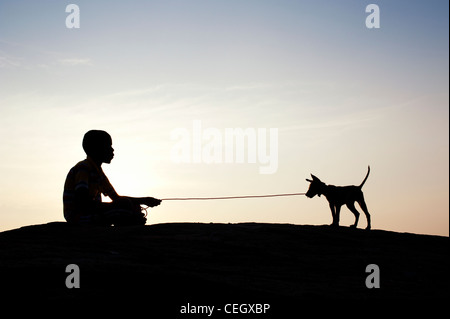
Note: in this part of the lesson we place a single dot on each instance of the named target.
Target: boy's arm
(148, 201)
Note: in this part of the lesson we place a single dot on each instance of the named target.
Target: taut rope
(233, 197)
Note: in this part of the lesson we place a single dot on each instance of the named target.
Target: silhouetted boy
(86, 182)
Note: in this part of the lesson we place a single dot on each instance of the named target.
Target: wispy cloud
(75, 62)
(25, 56)
(8, 61)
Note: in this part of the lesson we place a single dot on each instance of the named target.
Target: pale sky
(341, 96)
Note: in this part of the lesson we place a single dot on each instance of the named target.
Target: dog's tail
(365, 179)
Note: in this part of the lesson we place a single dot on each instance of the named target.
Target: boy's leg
(125, 217)
(88, 218)
(123, 213)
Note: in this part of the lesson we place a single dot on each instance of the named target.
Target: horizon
(230, 98)
(348, 227)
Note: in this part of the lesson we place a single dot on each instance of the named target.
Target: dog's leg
(337, 214)
(363, 206)
(333, 214)
(352, 208)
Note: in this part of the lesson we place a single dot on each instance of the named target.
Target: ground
(167, 266)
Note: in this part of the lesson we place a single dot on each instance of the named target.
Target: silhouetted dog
(340, 195)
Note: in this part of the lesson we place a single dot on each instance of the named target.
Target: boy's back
(87, 175)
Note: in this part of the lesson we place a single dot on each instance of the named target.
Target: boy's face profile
(106, 152)
(98, 145)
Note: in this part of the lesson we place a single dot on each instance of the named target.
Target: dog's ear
(309, 180)
(315, 178)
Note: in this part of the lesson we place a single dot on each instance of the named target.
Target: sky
(310, 88)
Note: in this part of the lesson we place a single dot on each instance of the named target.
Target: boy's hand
(151, 202)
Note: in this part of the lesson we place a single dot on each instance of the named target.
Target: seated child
(86, 182)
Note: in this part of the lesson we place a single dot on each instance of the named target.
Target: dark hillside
(217, 264)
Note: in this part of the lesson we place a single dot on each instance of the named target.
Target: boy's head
(98, 145)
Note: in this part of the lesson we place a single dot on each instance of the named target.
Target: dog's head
(315, 188)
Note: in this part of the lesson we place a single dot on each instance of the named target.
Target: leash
(233, 197)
